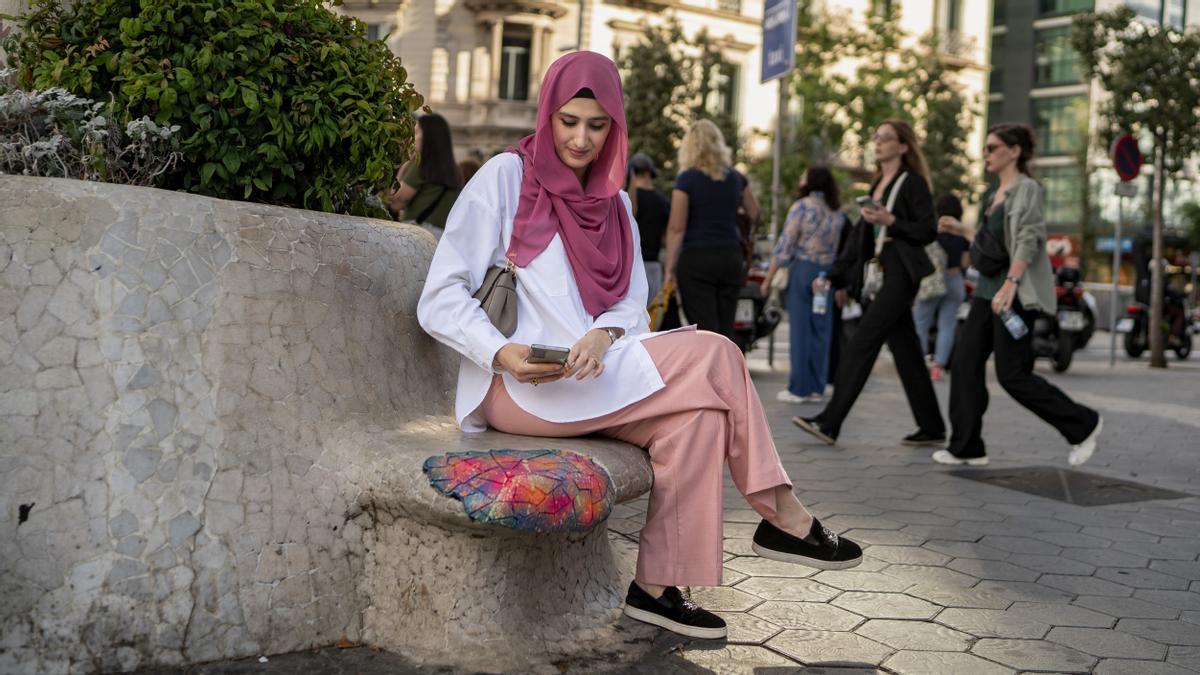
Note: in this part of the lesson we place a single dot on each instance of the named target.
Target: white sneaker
(945, 457)
(1084, 451)
(786, 396)
(814, 398)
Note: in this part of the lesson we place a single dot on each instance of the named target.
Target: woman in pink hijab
(553, 207)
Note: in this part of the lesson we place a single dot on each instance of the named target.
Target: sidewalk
(959, 576)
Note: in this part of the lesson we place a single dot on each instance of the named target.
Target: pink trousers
(707, 415)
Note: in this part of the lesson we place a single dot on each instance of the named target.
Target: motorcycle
(1075, 314)
(1136, 327)
(756, 315)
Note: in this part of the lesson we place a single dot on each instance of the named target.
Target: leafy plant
(279, 101)
(55, 133)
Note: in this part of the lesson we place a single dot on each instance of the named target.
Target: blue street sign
(1105, 244)
(778, 38)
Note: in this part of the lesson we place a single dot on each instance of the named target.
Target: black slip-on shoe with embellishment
(919, 438)
(674, 612)
(821, 548)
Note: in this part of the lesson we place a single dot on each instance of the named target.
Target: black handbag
(988, 254)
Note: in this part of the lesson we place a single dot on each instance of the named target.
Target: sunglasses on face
(991, 147)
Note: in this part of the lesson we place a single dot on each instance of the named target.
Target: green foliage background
(279, 101)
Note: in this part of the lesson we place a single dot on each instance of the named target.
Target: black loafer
(813, 426)
(830, 553)
(675, 613)
(919, 437)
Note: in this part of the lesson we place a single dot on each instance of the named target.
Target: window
(1166, 12)
(996, 79)
(995, 113)
(733, 6)
(1058, 122)
(954, 15)
(1066, 6)
(1057, 62)
(723, 99)
(1064, 193)
(999, 12)
(514, 67)
(1176, 14)
(378, 31)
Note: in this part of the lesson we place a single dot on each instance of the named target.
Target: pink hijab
(591, 219)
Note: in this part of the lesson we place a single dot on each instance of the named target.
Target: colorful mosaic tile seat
(546, 491)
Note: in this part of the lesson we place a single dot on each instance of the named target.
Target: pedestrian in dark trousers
(1014, 274)
(901, 182)
(704, 248)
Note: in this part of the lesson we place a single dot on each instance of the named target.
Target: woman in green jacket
(1015, 279)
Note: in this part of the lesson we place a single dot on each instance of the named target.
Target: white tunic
(549, 310)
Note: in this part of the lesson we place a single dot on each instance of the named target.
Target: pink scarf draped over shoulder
(590, 218)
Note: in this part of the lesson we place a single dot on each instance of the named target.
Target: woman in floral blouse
(807, 249)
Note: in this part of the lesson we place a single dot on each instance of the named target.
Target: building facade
(1037, 78)
(479, 62)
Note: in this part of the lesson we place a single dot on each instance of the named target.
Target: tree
(708, 72)
(1151, 75)
(946, 119)
(656, 95)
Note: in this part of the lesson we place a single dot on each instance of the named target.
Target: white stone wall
(172, 369)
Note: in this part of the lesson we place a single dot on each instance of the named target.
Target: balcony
(550, 8)
(960, 50)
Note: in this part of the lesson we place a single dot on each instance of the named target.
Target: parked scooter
(1074, 313)
(1136, 327)
(754, 317)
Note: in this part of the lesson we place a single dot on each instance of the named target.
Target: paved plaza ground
(959, 576)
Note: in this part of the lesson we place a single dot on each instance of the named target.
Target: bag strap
(432, 206)
(891, 203)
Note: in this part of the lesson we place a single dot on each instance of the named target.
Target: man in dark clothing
(651, 209)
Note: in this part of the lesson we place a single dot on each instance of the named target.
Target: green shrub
(278, 101)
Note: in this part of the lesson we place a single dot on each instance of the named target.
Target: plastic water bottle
(821, 300)
(1015, 325)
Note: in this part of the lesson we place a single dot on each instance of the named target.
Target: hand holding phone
(865, 201)
(548, 354)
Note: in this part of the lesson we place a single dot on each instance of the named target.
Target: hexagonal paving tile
(1184, 569)
(967, 514)
(1062, 615)
(1074, 539)
(1188, 657)
(908, 555)
(764, 567)
(1167, 548)
(734, 659)
(1085, 585)
(741, 516)
(942, 663)
(807, 616)
(827, 648)
(1126, 607)
(883, 537)
(921, 518)
(748, 629)
(992, 623)
(730, 577)
(1107, 642)
(966, 549)
(853, 580)
(1051, 564)
(843, 523)
(725, 599)
(1191, 616)
(1162, 631)
(886, 605)
(997, 570)
(739, 547)
(1024, 591)
(964, 533)
(740, 530)
(1131, 667)
(1033, 655)
(959, 597)
(1176, 599)
(927, 575)
(1120, 534)
(1105, 557)
(916, 635)
(779, 588)
(1020, 545)
(1143, 578)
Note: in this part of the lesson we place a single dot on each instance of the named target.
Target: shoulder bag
(498, 297)
(934, 284)
(988, 255)
(873, 270)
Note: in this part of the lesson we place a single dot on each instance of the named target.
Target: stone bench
(213, 421)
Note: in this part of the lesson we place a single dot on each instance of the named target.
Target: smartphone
(546, 354)
(864, 201)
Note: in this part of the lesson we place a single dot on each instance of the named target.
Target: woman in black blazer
(888, 316)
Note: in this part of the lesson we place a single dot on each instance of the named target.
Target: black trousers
(888, 318)
(982, 334)
(710, 281)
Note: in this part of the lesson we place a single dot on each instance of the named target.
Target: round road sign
(1127, 159)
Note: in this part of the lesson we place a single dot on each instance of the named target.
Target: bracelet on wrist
(1013, 280)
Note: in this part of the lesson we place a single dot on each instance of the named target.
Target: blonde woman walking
(704, 250)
